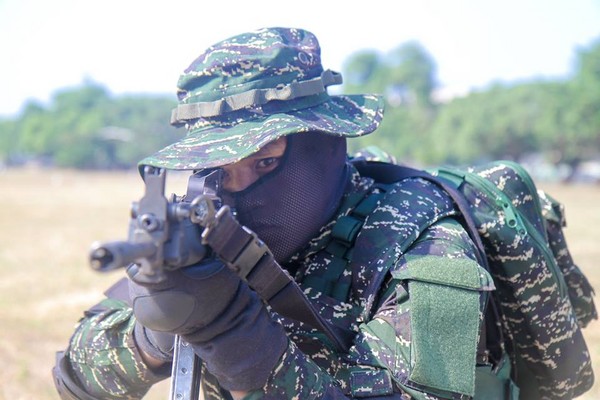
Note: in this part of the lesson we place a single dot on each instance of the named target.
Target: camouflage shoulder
(374, 153)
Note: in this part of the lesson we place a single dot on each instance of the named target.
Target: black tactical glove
(218, 314)
(158, 345)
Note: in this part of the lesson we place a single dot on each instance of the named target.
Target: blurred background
(91, 84)
(86, 90)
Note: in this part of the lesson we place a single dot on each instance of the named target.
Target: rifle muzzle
(118, 254)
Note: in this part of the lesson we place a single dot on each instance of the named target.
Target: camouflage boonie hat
(251, 89)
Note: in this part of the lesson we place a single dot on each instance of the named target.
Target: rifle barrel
(118, 254)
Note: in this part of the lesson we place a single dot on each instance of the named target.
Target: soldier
(256, 106)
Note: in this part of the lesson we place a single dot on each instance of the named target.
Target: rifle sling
(251, 259)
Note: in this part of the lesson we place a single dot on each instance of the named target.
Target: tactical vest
(363, 249)
(497, 210)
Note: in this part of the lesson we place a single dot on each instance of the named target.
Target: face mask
(287, 207)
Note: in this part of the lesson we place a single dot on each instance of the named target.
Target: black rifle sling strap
(251, 259)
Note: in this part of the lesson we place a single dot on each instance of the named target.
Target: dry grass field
(48, 219)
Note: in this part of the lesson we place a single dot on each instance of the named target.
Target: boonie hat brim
(214, 146)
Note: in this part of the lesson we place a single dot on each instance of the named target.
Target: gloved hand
(218, 314)
(158, 345)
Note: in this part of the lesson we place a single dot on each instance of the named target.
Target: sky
(141, 46)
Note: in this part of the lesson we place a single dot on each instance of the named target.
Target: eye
(267, 164)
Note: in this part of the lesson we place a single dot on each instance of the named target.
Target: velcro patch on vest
(445, 321)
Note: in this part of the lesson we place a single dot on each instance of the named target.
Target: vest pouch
(447, 299)
(370, 382)
(496, 384)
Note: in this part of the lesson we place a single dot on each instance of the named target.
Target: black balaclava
(287, 207)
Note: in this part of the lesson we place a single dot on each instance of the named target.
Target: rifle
(163, 234)
(167, 234)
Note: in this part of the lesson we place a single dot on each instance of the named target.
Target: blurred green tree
(406, 76)
(86, 127)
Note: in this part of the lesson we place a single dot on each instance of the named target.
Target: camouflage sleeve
(299, 377)
(379, 363)
(102, 355)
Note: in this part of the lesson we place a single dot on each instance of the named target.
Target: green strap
(366, 207)
(255, 98)
(343, 235)
(346, 229)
